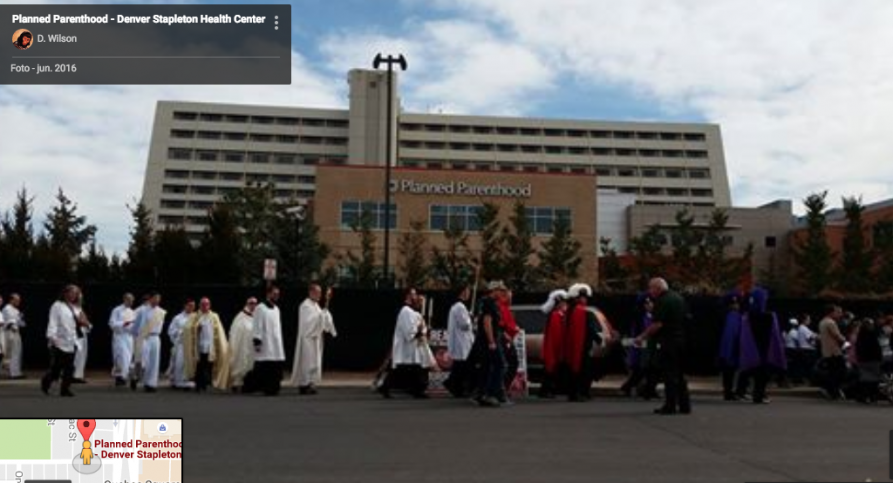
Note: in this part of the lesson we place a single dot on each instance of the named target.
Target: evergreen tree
(559, 258)
(710, 263)
(94, 266)
(647, 254)
(813, 255)
(299, 249)
(175, 256)
(685, 239)
(492, 258)
(612, 276)
(883, 249)
(220, 249)
(67, 234)
(140, 264)
(517, 240)
(116, 270)
(413, 263)
(257, 215)
(854, 275)
(453, 266)
(18, 240)
(363, 266)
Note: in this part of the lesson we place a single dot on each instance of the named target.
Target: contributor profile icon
(22, 39)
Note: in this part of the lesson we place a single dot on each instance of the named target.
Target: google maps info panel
(146, 44)
(91, 450)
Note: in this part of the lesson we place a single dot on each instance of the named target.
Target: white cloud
(93, 140)
(802, 89)
(455, 66)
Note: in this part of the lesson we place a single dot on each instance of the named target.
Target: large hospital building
(593, 172)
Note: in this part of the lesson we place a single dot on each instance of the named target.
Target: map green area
(24, 439)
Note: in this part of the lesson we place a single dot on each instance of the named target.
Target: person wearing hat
(580, 333)
(553, 342)
(491, 389)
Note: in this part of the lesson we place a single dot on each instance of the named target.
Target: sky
(802, 89)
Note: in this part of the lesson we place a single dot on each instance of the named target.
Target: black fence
(365, 320)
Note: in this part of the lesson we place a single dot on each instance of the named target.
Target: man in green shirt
(668, 330)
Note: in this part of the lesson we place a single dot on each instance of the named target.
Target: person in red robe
(579, 335)
(553, 342)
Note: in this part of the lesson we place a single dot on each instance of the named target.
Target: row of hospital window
(655, 191)
(247, 177)
(556, 132)
(440, 217)
(569, 150)
(221, 191)
(183, 154)
(258, 138)
(621, 171)
(266, 120)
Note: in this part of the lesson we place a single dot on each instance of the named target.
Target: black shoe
(665, 411)
(120, 382)
(45, 387)
(150, 389)
(133, 384)
(17, 378)
(78, 381)
(67, 394)
(685, 411)
(730, 397)
(385, 393)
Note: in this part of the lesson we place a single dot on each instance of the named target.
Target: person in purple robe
(642, 375)
(762, 345)
(729, 349)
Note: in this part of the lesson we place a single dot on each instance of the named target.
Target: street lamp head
(377, 61)
(299, 211)
(402, 61)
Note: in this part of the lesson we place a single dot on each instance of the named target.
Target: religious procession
(483, 354)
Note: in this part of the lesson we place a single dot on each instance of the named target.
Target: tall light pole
(299, 211)
(390, 60)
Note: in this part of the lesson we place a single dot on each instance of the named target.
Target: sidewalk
(610, 386)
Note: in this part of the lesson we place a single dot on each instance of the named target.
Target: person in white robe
(410, 356)
(122, 341)
(313, 322)
(80, 357)
(147, 330)
(241, 345)
(269, 352)
(136, 363)
(12, 324)
(460, 339)
(64, 324)
(177, 368)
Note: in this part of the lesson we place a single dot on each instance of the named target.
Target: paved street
(349, 434)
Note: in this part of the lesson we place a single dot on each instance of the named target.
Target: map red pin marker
(86, 427)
